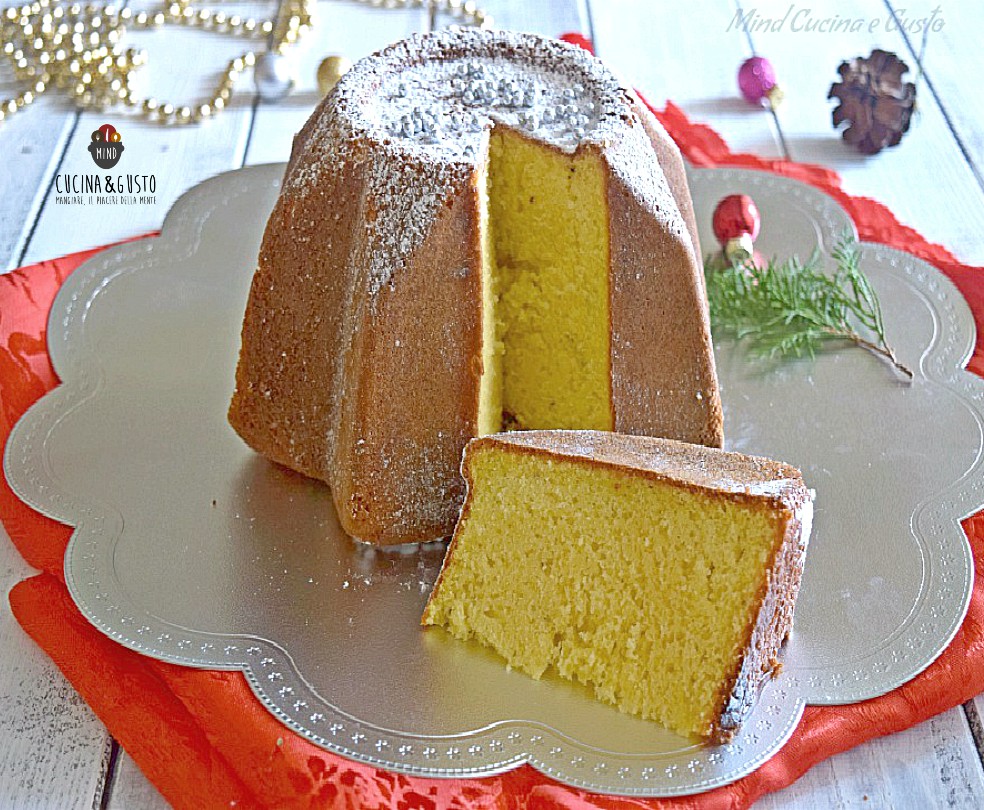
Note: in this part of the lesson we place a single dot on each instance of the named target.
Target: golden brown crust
(659, 309)
(671, 162)
(282, 402)
(410, 409)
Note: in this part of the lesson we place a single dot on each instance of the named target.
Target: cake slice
(663, 575)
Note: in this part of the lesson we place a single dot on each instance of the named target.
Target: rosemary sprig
(790, 307)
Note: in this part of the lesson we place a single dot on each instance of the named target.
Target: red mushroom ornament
(736, 225)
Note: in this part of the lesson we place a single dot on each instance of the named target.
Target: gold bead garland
(77, 48)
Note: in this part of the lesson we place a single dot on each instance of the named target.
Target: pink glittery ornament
(757, 82)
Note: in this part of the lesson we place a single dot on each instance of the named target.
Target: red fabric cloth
(204, 739)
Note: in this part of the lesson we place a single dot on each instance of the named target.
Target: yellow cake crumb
(546, 311)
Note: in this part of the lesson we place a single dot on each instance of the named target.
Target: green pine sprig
(791, 307)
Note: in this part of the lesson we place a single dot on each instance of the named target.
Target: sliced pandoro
(662, 575)
(509, 263)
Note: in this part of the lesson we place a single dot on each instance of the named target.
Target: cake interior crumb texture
(546, 318)
(644, 590)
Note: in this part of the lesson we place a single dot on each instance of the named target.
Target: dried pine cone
(874, 101)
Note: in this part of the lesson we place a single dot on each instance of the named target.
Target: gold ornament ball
(330, 71)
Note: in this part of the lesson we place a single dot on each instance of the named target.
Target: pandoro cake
(477, 231)
(662, 575)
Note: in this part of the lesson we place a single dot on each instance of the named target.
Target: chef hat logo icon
(106, 146)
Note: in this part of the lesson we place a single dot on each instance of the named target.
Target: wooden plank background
(53, 751)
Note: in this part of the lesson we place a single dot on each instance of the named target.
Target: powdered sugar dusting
(436, 94)
(804, 514)
(446, 106)
(432, 98)
(402, 219)
(415, 117)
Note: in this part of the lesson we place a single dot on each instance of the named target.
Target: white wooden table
(53, 751)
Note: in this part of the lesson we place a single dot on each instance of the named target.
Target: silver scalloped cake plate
(190, 548)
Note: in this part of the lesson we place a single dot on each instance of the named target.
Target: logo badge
(106, 147)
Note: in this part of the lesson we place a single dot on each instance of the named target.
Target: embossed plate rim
(271, 674)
